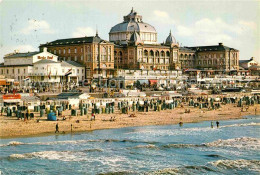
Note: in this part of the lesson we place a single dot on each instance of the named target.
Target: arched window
(145, 53)
(162, 53)
(168, 54)
(151, 53)
(157, 54)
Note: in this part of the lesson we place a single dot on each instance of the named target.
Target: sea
(194, 148)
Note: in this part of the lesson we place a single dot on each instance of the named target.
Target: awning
(141, 82)
(152, 82)
(2, 82)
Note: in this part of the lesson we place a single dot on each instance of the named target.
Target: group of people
(217, 123)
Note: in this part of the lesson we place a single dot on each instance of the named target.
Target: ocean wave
(215, 167)
(55, 155)
(241, 125)
(15, 143)
(182, 170)
(246, 143)
(240, 143)
(253, 165)
(149, 146)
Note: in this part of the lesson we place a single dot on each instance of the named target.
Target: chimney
(45, 49)
(220, 44)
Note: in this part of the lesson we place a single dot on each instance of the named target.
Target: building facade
(40, 67)
(133, 45)
(96, 54)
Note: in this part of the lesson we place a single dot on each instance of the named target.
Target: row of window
(12, 71)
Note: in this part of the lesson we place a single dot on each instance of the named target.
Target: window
(2, 71)
(81, 49)
(78, 71)
(81, 57)
(59, 51)
(13, 71)
(24, 71)
(7, 71)
(82, 71)
(73, 71)
(75, 50)
(54, 51)
(69, 50)
(76, 58)
(64, 51)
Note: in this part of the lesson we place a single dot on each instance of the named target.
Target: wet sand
(11, 127)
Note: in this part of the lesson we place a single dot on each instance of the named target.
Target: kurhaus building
(133, 45)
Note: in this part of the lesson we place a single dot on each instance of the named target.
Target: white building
(247, 63)
(40, 67)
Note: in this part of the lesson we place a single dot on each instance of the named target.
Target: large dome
(122, 32)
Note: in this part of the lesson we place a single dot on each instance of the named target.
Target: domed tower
(170, 40)
(122, 32)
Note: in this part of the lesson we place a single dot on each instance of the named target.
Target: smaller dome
(170, 39)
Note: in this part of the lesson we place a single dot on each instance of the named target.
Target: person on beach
(57, 128)
(217, 124)
(211, 124)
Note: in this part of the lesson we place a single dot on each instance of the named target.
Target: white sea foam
(240, 143)
(241, 125)
(216, 167)
(151, 146)
(56, 155)
(253, 165)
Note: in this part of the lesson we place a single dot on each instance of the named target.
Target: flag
(27, 78)
(68, 72)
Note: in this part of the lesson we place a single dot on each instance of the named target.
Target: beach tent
(52, 116)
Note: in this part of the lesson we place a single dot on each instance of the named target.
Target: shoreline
(13, 128)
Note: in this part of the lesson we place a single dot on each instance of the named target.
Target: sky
(25, 24)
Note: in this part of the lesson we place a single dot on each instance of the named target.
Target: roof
(29, 98)
(245, 61)
(20, 65)
(71, 63)
(170, 39)
(219, 47)
(69, 41)
(18, 55)
(185, 49)
(132, 26)
(133, 22)
(66, 95)
(45, 61)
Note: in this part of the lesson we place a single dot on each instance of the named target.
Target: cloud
(210, 31)
(162, 17)
(37, 26)
(83, 31)
(21, 48)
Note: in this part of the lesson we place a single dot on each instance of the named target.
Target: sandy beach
(11, 127)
